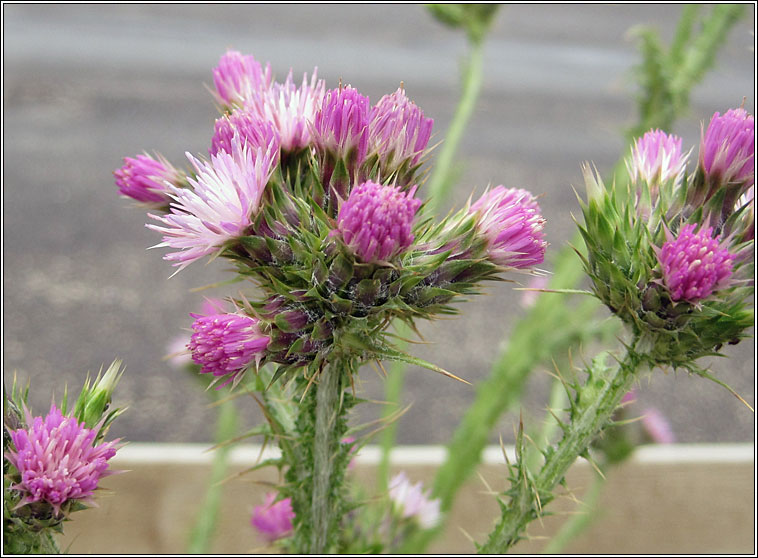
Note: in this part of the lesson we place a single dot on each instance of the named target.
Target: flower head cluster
(510, 219)
(273, 520)
(376, 220)
(239, 77)
(226, 344)
(226, 195)
(656, 158)
(410, 501)
(147, 179)
(727, 148)
(58, 460)
(694, 264)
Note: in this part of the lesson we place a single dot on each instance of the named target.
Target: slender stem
(441, 179)
(599, 397)
(326, 439)
(579, 522)
(201, 537)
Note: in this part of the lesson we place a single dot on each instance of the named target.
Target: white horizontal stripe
(199, 454)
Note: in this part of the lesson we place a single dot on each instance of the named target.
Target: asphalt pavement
(85, 85)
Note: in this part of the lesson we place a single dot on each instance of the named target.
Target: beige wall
(680, 499)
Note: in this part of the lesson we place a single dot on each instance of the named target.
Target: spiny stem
(578, 522)
(598, 398)
(326, 441)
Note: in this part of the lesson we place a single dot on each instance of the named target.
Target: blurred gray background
(86, 85)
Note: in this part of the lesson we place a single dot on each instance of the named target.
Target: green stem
(579, 522)
(597, 400)
(201, 537)
(325, 504)
(441, 180)
(438, 186)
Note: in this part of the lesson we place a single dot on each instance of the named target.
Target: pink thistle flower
(511, 222)
(536, 283)
(694, 264)
(147, 179)
(291, 109)
(340, 136)
(57, 460)
(239, 78)
(398, 131)
(253, 131)
(411, 502)
(226, 195)
(273, 520)
(226, 344)
(657, 158)
(727, 148)
(657, 427)
(375, 221)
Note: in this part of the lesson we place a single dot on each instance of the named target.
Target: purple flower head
(727, 148)
(375, 221)
(226, 344)
(291, 109)
(510, 220)
(657, 427)
(411, 502)
(253, 131)
(657, 158)
(340, 130)
(226, 195)
(398, 131)
(273, 520)
(57, 460)
(694, 264)
(147, 179)
(239, 78)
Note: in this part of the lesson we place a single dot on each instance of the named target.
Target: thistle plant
(313, 195)
(671, 257)
(52, 465)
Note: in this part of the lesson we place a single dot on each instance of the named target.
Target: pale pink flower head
(147, 179)
(510, 220)
(225, 197)
(410, 501)
(398, 132)
(291, 109)
(239, 78)
(273, 520)
(225, 345)
(254, 132)
(694, 264)
(727, 148)
(657, 158)
(57, 460)
(657, 427)
(376, 220)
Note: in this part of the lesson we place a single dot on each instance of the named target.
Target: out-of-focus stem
(578, 522)
(201, 537)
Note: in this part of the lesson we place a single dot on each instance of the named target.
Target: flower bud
(657, 158)
(92, 403)
(727, 148)
(398, 136)
(340, 134)
(510, 220)
(239, 78)
(252, 130)
(147, 179)
(273, 520)
(225, 345)
(376, 221)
